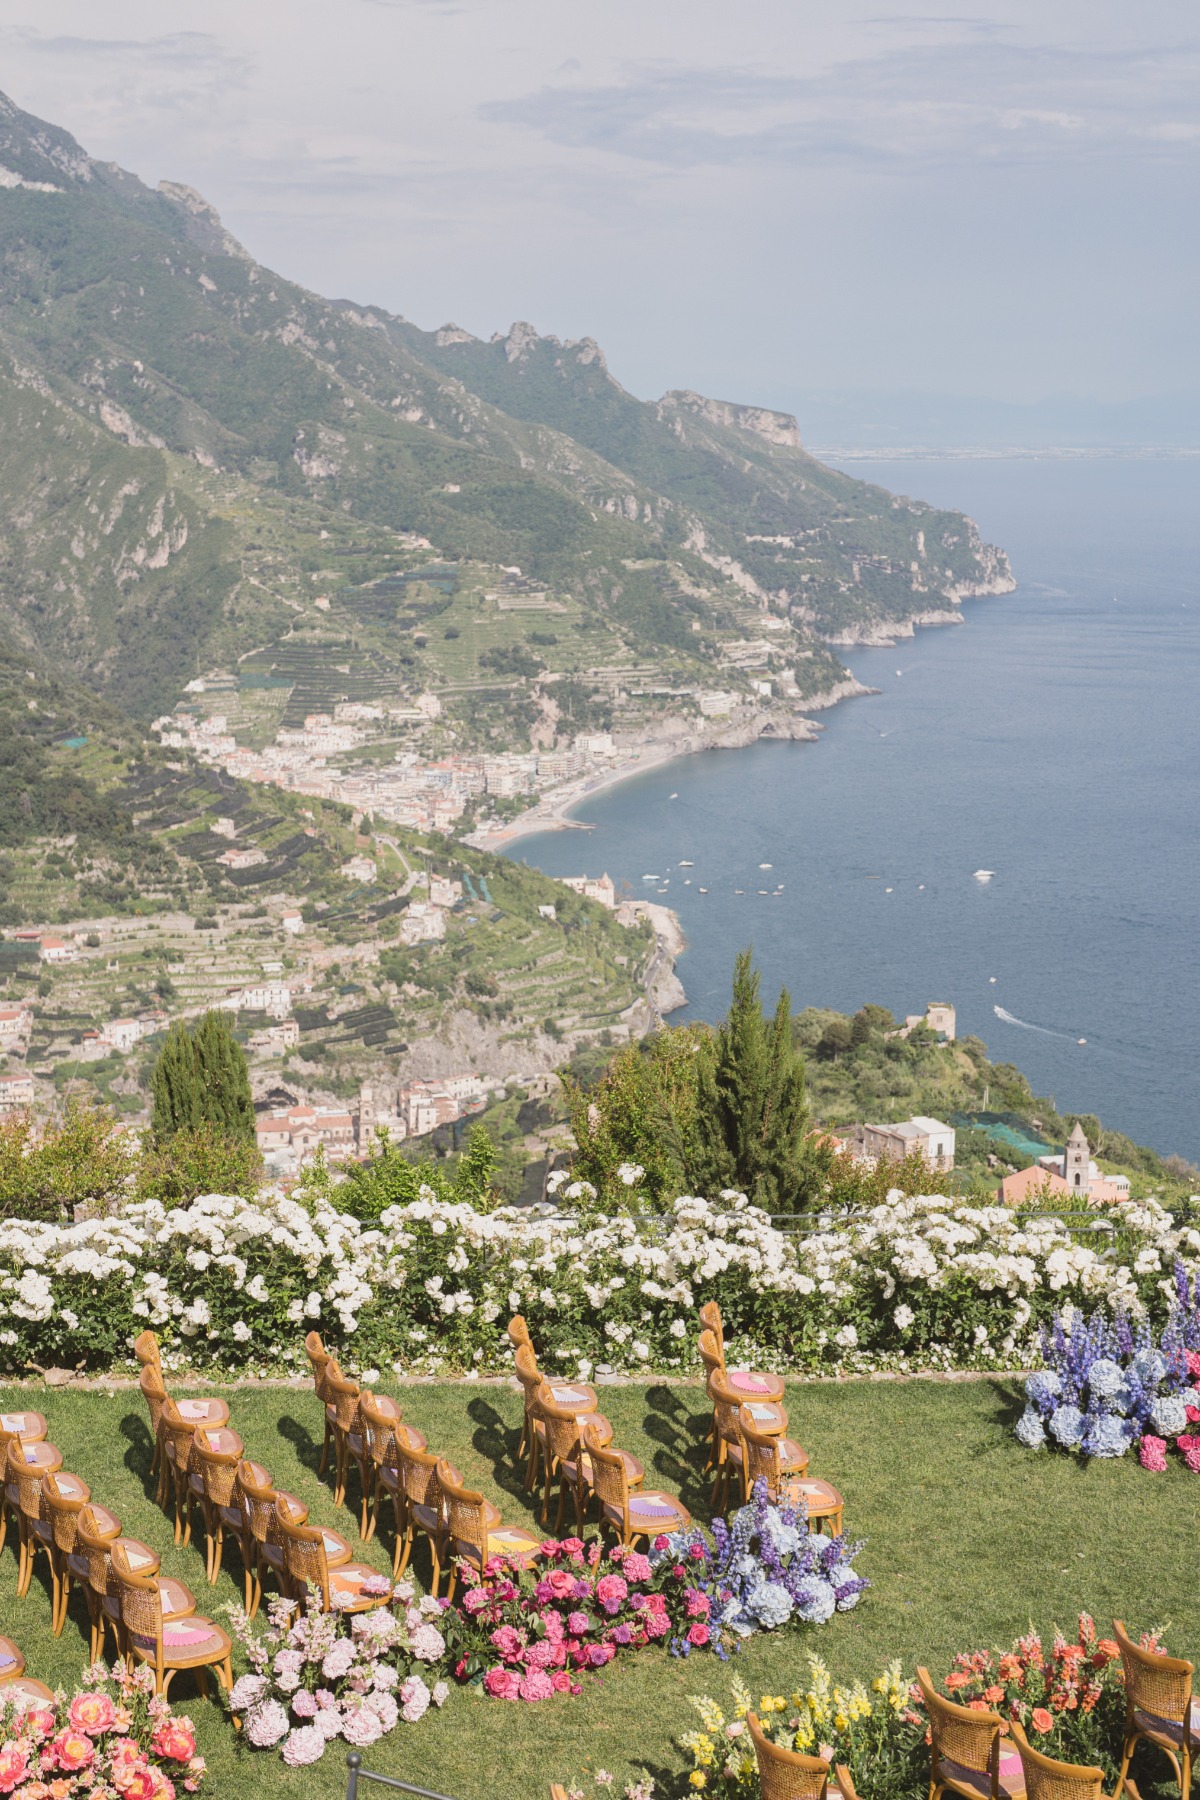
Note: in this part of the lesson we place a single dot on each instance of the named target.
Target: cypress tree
(202, 1079)
(174, 1086)
(752, 1116)
(223, 1077)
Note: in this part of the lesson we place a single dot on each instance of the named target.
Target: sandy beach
(553, 812)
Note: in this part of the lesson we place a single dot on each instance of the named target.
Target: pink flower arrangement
(1189, 1448)
(114, 1737)
(316, 1677)
(1152, 1453)
(579, 1608)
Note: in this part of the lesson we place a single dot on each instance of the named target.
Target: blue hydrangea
(1105, 1378)
(1168, 1415)
(771, 1604)
(847, 1586)
(1150, 1367)
(1030, 1430)
(1066, 1422)
(1043, 1388)
(785, 1539)
(1108, 1436)
(816, 1600)
(1127, 1398)
(1190, 1396)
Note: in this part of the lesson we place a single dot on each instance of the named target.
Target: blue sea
(1054, 739)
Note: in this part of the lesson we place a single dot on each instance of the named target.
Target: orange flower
(958, 1679)
(1011, 1668)
(977, 1705)
(1041, 1719)
(1106, 1651)
(993, 1695)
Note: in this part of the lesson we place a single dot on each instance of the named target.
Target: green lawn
(970, 1538)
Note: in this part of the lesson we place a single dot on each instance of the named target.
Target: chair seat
(793, 1458)
(337, 1548)
(204, 1412)
(820, 1497)
(77, 1563)
(231, 1517)
(178, 1600)
(196, 1484)
(599, 1424)
(651, 1511)
(108, 1526)
(346, 1587)
(769, 1417)
(193, 1640)
(41, 1529)
(272, 1555)
(29, 1425)
(25, 1688)
(355, 1443)
(426, 1518)
(71, 1488)
(754, 1384)
(503, 1540)
(12, 1663)
(389, 1478)
(1154, 1725)
(330, 1414)
(979, 1781)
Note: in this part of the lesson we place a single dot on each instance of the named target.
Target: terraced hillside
(182, 431)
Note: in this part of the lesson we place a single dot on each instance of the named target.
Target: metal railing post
(353, 1765)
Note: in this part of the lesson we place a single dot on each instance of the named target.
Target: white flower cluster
(916, 1281)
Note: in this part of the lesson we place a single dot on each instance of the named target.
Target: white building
(359, 868)
(443, 891)
(934, 1140)
(714, 703)
(15, 1022)
(599, 888)
(293, 923)
(15, 1090)
(273, 997)
(422, 923)
(54, 950)
(123, 1034)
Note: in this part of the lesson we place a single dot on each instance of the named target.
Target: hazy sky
(749, 197)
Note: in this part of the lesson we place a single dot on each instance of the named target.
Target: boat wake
(1002, 1012)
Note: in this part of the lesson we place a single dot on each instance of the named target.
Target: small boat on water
(984, 874)
(672, 796)
(1081, 1040)
(702, 890)
(687, 881)
(766, 865)
(739, 890)
(764, 892)
(685, 864)
(651, 877)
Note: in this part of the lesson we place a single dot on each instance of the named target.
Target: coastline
(554, 812)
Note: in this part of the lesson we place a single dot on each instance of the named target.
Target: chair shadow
(1009, 1402)
(495, 1439)
(679, 1432)
(308, 1450)
(140, 1453)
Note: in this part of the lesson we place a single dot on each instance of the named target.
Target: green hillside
(165, 402)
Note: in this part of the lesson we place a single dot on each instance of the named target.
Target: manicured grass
(970, 1538)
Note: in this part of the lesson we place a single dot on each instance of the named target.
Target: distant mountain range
(179, 428)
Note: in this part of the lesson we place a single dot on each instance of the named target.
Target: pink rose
(560, 1582)
(636, 1567)
(537, 1685)
(1193, 1362)
(502, 1684)
(560, 1681)
(474, 1600)
(578, 1623)
(696, 1605)
(175, 1740)
(1193, 1413)
(698, 1634)
(697, 1552)
(1152, 1453)
(94, 1714)
(660, 1542)
(573, 1547)
(73, 1749)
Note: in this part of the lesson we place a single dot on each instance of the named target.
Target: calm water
(1054, 738)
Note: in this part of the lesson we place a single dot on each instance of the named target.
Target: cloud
(175, 71)
(929, 105)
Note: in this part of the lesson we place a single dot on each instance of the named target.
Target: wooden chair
(967, 1754)
(63, 1499)
(788, 1775)
(145, 1348)
(30, 1428)
(262, 1539)
(24, 1483)
(318, 1563)
(319, 1360)
(566, 1457)
(216, 1473)
(731, 1414)
(742, 1383)
(12, 1663)
(167, 1644)
(424, 1513)
(518, 1332)
(24, 1691)
(95, 1529)
(777, 1461)
(154, 1392)
(752, 1384)
(578, 1396)
(1158, 1707)
(1046, 1779)
(628, 1516)
(344, 1396)
(380, 1426)
(177, 1435)
(474, 1531)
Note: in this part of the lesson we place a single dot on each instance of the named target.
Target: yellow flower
(840, 1721)
(698, 1778)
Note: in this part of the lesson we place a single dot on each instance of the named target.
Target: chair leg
(324, 1462)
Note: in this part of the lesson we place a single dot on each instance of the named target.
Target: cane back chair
(967, 1753)
(788, 1775)
(567, 1459)
(23, 1485)
(1046, 1779)
(627, 1515)
(783, 1465)
(319, 1567)
(29, 1428)
(474, 1531)
(167, 1644)
(262, 1539)
(1158, 1707)
(63, 1499)
(752, 1384)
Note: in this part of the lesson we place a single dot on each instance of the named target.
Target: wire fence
(655, 1226)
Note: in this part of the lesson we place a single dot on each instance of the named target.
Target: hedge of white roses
(232, 1284)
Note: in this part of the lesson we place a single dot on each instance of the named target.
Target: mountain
(191, 444)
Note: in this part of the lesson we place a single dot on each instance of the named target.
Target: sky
(757, 200)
